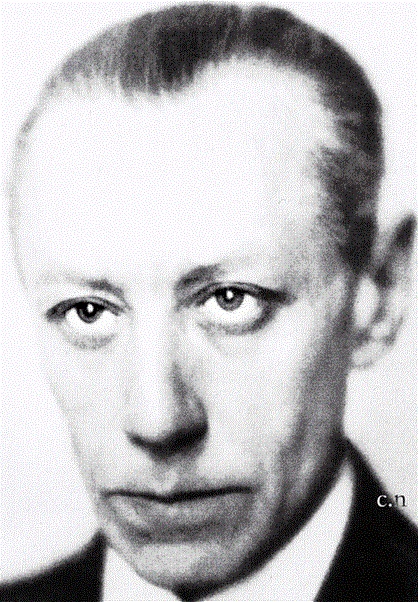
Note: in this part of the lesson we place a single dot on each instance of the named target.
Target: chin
(191, 570)
(188, 554)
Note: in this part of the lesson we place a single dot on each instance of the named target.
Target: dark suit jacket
(375, 562)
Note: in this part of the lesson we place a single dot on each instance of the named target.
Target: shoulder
(377, 558)
(76, 579)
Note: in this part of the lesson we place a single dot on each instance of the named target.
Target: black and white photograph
(209, 304)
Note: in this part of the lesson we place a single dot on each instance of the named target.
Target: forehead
(222, 167)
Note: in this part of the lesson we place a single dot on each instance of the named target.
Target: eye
(238, 309)
(230, 299)
(91, 318)
(86, 311)
(86, 322)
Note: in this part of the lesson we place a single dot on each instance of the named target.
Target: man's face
(194, 313)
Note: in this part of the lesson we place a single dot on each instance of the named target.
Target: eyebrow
(103, 285)
(198, 276)
(201, 275)
(195, 277)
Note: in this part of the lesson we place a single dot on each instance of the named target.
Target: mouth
(179, 515)
(179, 497)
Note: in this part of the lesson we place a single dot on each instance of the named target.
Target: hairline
(329, 164)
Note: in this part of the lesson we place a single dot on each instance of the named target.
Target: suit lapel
(375, 560)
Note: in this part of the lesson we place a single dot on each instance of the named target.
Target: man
(193, 212)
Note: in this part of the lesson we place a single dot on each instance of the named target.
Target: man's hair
(163, 51)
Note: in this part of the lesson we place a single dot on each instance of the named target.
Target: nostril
(180, 441)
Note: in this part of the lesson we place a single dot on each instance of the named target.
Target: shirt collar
(295, 572)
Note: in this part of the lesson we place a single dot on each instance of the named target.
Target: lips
(181, 514)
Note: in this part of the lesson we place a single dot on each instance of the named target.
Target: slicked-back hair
(163, 51)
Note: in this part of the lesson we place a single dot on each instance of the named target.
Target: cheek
(88, 389)
(82, 380)
(262, 390)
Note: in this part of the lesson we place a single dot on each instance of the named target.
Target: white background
(45, 512)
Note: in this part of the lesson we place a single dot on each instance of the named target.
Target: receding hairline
(166, 52)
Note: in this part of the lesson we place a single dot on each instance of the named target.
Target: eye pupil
(229, 299)
(88, 312)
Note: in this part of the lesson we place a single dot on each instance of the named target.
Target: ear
(382, 294)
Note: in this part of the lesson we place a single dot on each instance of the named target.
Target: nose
(165, 416)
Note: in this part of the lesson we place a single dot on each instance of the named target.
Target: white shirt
(294, 574)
